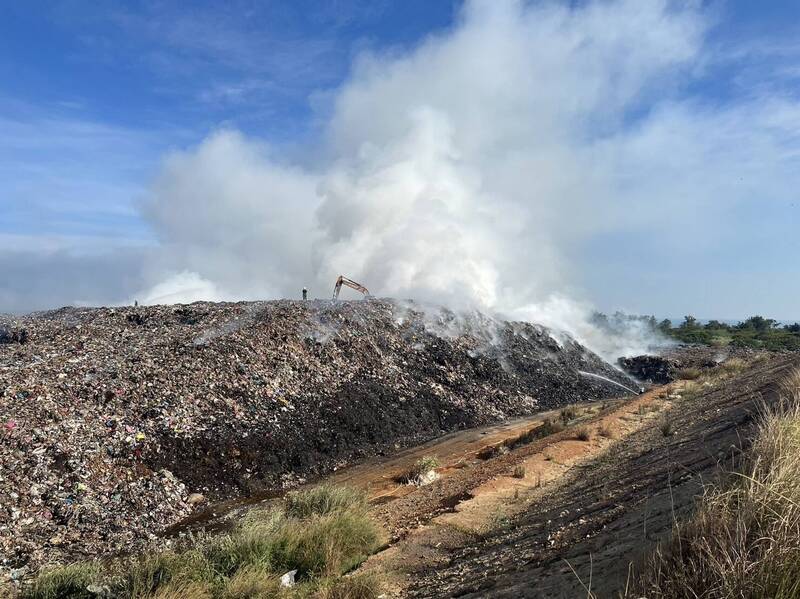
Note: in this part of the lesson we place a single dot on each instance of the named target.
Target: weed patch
(327, 498)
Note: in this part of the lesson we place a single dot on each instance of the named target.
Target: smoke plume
(465, 171)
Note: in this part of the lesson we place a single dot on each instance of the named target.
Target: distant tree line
(754, 332)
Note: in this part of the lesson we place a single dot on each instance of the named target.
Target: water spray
(608, 380)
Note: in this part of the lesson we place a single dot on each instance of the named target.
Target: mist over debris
(474, 169)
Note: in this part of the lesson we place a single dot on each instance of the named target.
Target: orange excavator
(342, 280)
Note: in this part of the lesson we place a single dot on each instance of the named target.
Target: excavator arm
(342, 280)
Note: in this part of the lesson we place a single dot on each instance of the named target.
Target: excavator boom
(342, 280)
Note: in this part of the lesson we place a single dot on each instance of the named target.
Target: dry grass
(665, 426)
(568, 414)
(690, 389)
(689, 374)
(605, 431)
(519, 472)
(733, 365)
(361, 586)
(493, 451)
(583, 434)
(548, 427)
(744, 539)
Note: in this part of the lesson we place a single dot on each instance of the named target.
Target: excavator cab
(342, 280)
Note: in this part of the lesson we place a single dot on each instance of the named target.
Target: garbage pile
(116, 422)
(650, 369)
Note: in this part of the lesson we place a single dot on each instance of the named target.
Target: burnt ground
(609, 512)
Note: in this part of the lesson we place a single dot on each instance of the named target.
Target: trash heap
(116, 422)
(650, 369)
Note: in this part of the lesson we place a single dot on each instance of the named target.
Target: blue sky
(96, 96)
(94, 93)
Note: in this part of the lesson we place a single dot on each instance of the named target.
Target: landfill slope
(112, 417)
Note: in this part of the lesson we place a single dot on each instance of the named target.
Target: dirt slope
(606, 513)
(111, 417)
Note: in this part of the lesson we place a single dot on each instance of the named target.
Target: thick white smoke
(464, 171)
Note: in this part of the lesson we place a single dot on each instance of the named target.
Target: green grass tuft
(323, 500)
(252, 582)
(330, 544)
(362, 586)
(144, 575)
(70, 581)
